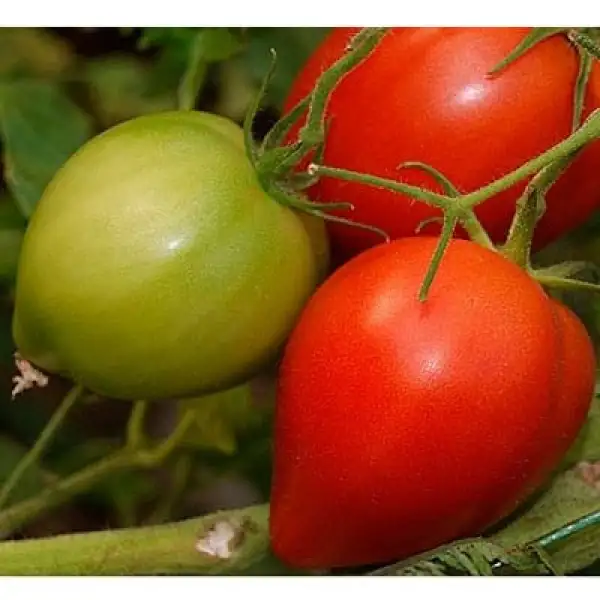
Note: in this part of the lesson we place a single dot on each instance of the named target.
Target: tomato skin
(403, 425)
(423, 95)
(576, 376)
(155, 266)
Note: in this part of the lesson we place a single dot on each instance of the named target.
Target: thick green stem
(430, 198)
(468, 220)
(588, 132)
(41, 443)
(171, 549)
(360, 47)
(557, 536)
(530, 208)
(518, 245)
(475, 230)
(552, 281)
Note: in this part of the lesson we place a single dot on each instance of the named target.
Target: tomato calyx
(276, 163)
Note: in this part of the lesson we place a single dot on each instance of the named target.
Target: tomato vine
(285, 171)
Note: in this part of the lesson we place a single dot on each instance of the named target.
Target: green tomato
(155, 266)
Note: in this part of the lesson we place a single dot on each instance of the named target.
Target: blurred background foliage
(58, 87)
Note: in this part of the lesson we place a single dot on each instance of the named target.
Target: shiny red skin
(423, 95)
(403, 425)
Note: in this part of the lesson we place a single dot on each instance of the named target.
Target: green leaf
(570, 497)
(41, 127)
(475, 557)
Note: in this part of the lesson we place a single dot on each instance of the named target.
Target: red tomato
(575, 376)
(423, 95)
(403, 425)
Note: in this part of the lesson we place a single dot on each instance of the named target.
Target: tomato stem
(431, 198)
(168, 549)
(585, 69)
(533, 38)
(530, 208)
(121, 460)
(136, 437)
(588, 132)
(450, 222)
(194, 76)
(41, 443)
(313, 132)
(562, 533)
(468, 220)
(566, 283)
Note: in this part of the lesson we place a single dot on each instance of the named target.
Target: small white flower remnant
(589, 472)
(28, 377)
(218, 540)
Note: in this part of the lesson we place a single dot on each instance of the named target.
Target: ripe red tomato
(402, 425)
(423, 95)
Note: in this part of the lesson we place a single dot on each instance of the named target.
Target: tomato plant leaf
(476, 557)
(568, 498)
(41, 127)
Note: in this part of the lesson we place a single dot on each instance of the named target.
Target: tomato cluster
(402, 425)
(157, 267)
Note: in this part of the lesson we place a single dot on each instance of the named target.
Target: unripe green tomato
(155, 266)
